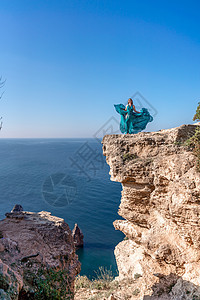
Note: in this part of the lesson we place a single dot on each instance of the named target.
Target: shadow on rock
(173, 287)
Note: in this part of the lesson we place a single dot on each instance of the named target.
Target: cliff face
(29, 240)
(160, 205)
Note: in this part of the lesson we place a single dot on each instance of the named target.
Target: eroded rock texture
(29, 240)
(160, 205)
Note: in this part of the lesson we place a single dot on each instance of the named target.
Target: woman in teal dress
(132, 121)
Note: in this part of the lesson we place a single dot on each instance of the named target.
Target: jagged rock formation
(29, 240)
(160, 205)
(77, 235)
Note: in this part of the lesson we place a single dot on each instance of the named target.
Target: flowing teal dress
(132, 122)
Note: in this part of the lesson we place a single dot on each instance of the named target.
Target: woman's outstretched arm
(135, 110)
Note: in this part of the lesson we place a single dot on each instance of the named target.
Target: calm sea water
(69, 178)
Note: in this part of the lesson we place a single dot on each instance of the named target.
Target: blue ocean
(70, 179)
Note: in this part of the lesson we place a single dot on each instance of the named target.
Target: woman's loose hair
(130, 100)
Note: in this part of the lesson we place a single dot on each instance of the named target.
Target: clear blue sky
(67, 63)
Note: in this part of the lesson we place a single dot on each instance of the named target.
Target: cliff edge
(160, 205)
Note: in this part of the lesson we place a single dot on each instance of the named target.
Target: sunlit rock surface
(160, 205)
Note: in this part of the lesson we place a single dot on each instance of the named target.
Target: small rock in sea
(17, 208)
(77, 236)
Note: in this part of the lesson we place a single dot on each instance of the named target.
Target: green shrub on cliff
(49, 284)
(194, 141)
(197, 114)
(52, 284)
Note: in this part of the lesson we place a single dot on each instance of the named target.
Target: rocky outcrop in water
(28, 241)
(160, 205)
(77, 235)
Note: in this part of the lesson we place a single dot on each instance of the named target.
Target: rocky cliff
(30, 242)
(160, 205)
